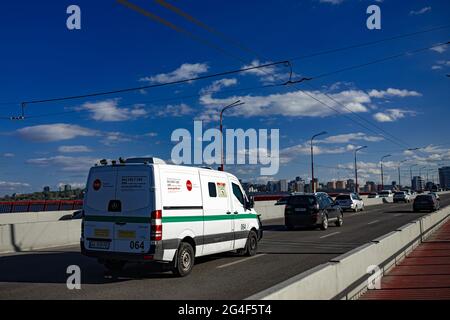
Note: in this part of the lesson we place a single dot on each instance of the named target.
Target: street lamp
(232, 105)
(312, 159)
(410, 172)
(356, 168)
(399, 177)
(382, 178)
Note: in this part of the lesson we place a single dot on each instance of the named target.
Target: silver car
(350, 201)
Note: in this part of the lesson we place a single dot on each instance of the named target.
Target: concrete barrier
(38, 235)
(346, 276)
(25, 217)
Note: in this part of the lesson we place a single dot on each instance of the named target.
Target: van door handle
(235, 212)
(121, 223)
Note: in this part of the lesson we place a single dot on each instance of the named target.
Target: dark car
(426, 202)
(312, 210)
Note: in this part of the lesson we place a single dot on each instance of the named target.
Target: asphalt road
(282, 254)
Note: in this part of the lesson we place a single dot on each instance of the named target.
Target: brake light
(156, 226)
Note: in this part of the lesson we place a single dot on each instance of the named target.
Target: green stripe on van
(209, 218)
(128, 219)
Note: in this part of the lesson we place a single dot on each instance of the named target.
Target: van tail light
(156, 226)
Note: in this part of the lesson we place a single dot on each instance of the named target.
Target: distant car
(281, 201)
(436, 195)
(373, 195)
(350, 202)
(312, 210)
(77, 214)
(426, 202)
(386, 194)
(402, 196)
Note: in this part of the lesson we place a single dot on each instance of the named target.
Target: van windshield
(302, 200)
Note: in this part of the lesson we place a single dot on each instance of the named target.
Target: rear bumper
(301, 220)
(155, 254)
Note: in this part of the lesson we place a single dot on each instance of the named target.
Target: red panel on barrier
(39, 205)
(424, 274)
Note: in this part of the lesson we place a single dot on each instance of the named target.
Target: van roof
(158, 162)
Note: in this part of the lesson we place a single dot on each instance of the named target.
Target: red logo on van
(189, 185)
(97, 184)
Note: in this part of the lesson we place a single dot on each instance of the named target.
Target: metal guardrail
(39, 205)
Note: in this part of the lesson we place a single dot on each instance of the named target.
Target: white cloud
(174, 110)
(108, 110)
(346, 138)
(9, 155)
(391, 115)
(391, 92)
(421, 11)
(218, 85)
(54, 132)
(12, 186)
(73, 149)
(267, 74)
(65, 163)
(150, 134)
(185, 71)
(111, 138)
(441, 64)
(292, 104)
(440, 49)
(332, 1)
(290, 153)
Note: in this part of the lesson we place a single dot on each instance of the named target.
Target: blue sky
(117, 47)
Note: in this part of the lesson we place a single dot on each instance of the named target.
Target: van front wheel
(184, 260)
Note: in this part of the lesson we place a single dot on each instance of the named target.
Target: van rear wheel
(184, 260)
(251, 246)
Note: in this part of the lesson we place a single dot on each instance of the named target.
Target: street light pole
(232, 105)
(312, 160)
(382, 178)
(410, 173)
(399, 176)
(356, 169)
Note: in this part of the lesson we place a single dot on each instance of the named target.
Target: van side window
(212, 189)
(238, 193)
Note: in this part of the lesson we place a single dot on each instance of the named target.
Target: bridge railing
(39, 205)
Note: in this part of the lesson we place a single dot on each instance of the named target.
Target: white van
(142, 209)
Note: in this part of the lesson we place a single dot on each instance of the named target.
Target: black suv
(426, 202)
(312, 210)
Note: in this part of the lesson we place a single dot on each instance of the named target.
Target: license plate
(300, 209)
(96, 244)
(126, 234)
(101, 233)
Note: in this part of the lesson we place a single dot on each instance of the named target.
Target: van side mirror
(250, 203)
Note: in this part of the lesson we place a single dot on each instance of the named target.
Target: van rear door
(136, 197)
(98, 221)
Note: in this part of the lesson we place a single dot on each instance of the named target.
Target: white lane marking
(239, 261)
(398, 215)
(329, 235)
(374, 221)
